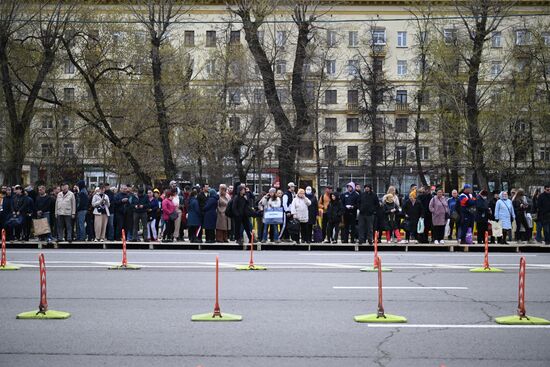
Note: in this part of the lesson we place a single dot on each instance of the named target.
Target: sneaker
(441, 242)
(403, 241)
(436, 242)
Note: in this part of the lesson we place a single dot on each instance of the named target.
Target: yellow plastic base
(210, 317)
(371, 269)
(488, 270)
(9, 267)
(50, 314)
(250, 267)
(515, 320)
(373, 318)
(125, 267)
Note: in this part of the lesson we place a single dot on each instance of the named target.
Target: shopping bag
(448, 228)
(497, 228)
(41, 226)
(420, 226)
(317, 234)
(469, 236)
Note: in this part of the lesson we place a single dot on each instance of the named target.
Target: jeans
(140, 217)
(274, 231)
(366, 225)
(81, 225)
(546, 230)
(64, 222)
(111, 227)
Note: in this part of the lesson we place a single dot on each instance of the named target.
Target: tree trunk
(162, 115)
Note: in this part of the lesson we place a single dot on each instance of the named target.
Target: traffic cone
(217, 315)
(251, 265)
(43, 312)
(380, 316)
(521, 318)
(374, 268)
(486, 268)
(3, 262)
(124, 265)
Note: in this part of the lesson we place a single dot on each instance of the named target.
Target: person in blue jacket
(210, 216)
(193, 217)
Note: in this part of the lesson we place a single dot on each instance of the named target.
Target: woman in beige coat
(222, 223)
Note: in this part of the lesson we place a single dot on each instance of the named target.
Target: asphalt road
(298, 313)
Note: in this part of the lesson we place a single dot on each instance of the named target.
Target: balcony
(378, 51)
(353, 108)
(401, 108)
(353, 162)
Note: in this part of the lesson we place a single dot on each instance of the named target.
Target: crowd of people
(296, 215)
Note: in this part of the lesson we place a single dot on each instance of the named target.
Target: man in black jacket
(368, 206)
(543, 215)
(42, 208)
(350, 200)
(82, 202)
(140, 215)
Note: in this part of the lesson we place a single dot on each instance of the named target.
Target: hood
(81, 184)
(352, 184)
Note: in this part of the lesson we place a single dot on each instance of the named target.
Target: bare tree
(28, 50)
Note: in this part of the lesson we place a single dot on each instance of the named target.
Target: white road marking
(457, 326)
(404, 288)
(409, 254)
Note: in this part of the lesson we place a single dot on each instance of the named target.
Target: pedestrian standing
(440, 210)
(100, 203)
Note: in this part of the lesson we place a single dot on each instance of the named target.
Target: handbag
(41, 226)
(447, 228)
(274, 215)
(469, 236)
(420, 226)
(15, 221)
(496, 228)
(455, 215)
(173, 215)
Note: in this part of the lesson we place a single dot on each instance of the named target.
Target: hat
(81, 184)
(467, 186)
(272, 189)
(157, 191)
(17, 187)
(291, 184)
(172, 182)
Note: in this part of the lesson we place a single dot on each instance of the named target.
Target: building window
(424, 153)
(68, 94)
(401, 67)
(379, 36)
(401, 125)
(235, 38)
(330, 66)
(423, 98)
(378, 152)
(280, 67)
(331, 38)
(47, 149)
(378, 128)
(544, 154)
(235, 123)
(422, 37)
(352, 125)
(330, 152)
(377, 64)
(496, 40)
(401, 97)
(401, 155)
(353, 38)
(330, 96)
(69, 67)
(496, 68)
(523, 36)
(68, 149)
(66, 122)
(330, 124)
(261, 37)
(353, 96)
(189, 38)
(280, 39)
(353, 152)
(353, 67)
(210, 66)
(402, 39)
(546, 38)
(306, 150)
(283, 95)
(423, 126)
(258, 95)
(235, 96)
(210, 38)
(47, 122)
(449, 35)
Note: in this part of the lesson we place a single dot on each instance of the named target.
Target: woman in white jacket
(299, 211)
(100, 203)
(271, 201)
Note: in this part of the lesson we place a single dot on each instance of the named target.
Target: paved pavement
(298, 313)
